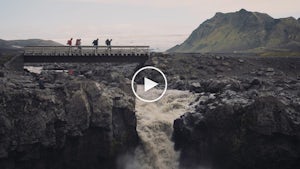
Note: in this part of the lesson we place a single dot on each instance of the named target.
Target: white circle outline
(137, 72)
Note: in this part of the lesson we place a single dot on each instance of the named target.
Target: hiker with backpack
(69, 43)
(95, 43)
(108, 44)
(78, 44)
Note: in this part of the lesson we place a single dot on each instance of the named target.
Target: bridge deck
(34, 54)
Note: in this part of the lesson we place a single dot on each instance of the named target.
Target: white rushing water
(155, 127)
(34, 69)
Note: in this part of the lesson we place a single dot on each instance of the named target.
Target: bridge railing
(85, 50)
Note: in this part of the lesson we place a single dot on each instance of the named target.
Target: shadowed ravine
(155, 127)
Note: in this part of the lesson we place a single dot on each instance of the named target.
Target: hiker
(78, 44)
(69, 42)
(108, 44)
(95, 43)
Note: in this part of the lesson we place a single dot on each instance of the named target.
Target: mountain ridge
(15, 44)
(243, 31)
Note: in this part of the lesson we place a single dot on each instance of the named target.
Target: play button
(149, 84)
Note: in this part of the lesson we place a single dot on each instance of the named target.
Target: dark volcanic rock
(1, 74)
(73, 123)
(247, 113)
(247, 129)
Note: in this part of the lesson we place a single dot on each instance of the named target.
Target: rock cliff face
(250, 123)
(66, 123)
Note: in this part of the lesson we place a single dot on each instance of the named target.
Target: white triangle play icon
(149, 84)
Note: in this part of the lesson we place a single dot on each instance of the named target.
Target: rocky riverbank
(247, 114)
(55, 120)
(240, 124)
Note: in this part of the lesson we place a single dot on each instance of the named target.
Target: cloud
(150, 3)
(198, 6)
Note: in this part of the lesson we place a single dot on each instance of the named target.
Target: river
(155, 127)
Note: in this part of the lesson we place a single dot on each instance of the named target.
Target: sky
(158, 23)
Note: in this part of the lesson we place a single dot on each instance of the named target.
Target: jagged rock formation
(61, 122)
(249, 123)
(243, 31)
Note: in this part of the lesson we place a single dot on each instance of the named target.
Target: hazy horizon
(160, 24)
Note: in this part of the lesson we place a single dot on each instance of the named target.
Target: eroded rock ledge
(241, 123)
(72, 123)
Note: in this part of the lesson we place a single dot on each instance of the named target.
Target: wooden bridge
(73, 54)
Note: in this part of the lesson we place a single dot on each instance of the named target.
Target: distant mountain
(243, 31)
(15, 44)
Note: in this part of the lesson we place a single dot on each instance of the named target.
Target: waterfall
(155, 127)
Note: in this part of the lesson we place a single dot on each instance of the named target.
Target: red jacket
(69, 42)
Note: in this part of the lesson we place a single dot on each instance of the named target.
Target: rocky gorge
(244, 113)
